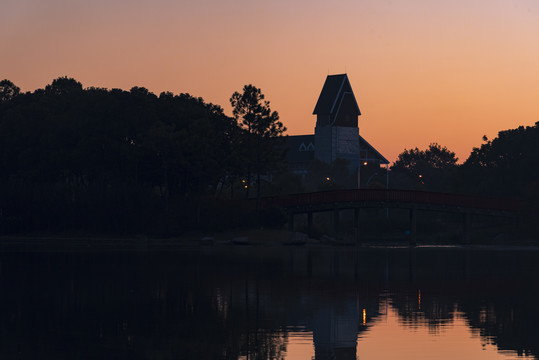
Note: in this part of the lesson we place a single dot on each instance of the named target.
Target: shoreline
(232, 238)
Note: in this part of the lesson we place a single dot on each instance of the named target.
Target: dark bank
(93, 162)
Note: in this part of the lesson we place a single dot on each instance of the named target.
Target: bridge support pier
(467, 228)
(356, 226)
(310, 224)
(291, 221)
(335, 219)
(413, 226)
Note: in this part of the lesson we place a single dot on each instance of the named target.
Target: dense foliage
(432, 169)
(110, 160)
(507, 165)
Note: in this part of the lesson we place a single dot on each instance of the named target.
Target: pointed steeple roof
(334, 90)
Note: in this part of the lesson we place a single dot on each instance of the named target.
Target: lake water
(257, 302)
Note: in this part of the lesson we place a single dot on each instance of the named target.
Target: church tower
(336, 135)
(337, 132)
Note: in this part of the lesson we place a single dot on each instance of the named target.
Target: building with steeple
(336, 135)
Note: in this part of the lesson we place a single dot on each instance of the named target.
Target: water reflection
(271, 303)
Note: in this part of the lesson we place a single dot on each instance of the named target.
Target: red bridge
(388, 197)
(337, 200)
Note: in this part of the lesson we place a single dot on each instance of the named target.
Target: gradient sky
(422, 70)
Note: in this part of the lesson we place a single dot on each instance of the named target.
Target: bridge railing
(393, 196)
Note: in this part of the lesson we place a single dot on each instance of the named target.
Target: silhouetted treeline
(99, 160)
(104, 160)
(505, 166)
(432, 169)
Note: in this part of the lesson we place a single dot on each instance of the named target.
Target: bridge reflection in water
(338, 200)
(458, 303)
(244, 303)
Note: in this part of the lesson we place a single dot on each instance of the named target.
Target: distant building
(336, 134)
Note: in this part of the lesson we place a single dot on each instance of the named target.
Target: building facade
(336, 134)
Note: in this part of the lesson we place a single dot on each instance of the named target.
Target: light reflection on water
(300, 345)
(272, 303)
(380, 311)
(390, 338)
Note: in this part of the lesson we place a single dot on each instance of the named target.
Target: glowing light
(419, 300)
(365, 163)
(328, 179)
(420, 175)
(246, 186)
(364, 316)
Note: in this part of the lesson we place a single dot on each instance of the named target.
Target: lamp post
(364, 163)
(359, 172)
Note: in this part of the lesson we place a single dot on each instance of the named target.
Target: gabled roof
(375, 155)
(332, 93)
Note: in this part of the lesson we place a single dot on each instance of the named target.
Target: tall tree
(262, 129)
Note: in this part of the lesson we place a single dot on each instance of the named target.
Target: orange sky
(423, 71)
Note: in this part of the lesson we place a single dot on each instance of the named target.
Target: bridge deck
(392, 197)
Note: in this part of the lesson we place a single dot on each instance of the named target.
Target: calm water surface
(271, 303)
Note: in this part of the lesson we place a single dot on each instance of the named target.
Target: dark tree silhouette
(108, 160)
(262, 127)
(431, 169)
(507, 165)
(63, 85)
(8, 90)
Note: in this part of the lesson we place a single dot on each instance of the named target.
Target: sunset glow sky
(422, 70)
